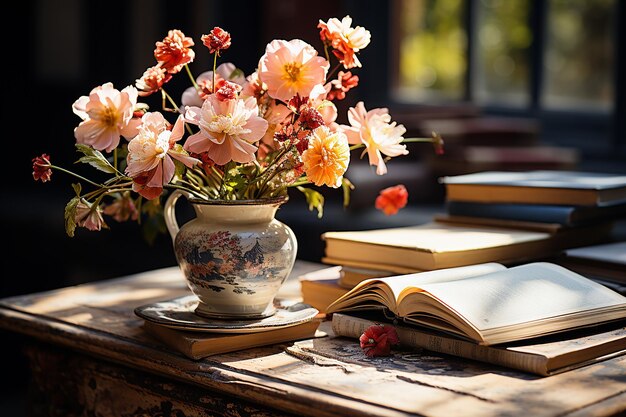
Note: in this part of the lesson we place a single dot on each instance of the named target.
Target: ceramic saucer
(178, 313)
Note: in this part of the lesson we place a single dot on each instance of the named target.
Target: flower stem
(332, 72)
(416, 140)
(214, 70)
(193, 80)
(80, 177)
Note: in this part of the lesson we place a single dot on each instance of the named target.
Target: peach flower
(377, 132)
(152, 80)
(290, 68)
(228, 129)
(107, 114)
(327, 157)
(174, 51)
(150, 153)
(345, 40)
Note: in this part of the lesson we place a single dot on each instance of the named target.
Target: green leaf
(77, 188)
(347, 186)
(94, 158)
(314, 199)
(152, 227)
(70, 216)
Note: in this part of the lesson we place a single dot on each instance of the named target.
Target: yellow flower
(327, 157)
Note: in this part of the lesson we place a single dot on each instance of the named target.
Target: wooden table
(90, 356)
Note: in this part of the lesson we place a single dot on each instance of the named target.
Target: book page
(412, 282)
(523, 294)
(389, 290)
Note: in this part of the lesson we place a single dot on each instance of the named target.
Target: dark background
(63, 49)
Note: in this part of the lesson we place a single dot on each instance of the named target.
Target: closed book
(566, 215)
(605, 261)
(350, 276)
(544, 356)
(436, 245)
(197, 345)
(321, 287)
(552, 187)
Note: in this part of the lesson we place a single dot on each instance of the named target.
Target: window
(556, 60)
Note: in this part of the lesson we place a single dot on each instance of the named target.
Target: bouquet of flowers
(232, 137)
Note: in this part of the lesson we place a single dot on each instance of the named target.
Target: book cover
(566, 215)
(435, 245)
(198, 345)
(543, 356)
(537, 187)
(605, 261)
(490, 303)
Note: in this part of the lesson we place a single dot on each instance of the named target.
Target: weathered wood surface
(322, 377)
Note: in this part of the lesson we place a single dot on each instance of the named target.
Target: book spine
(352, 327)
(524, 212)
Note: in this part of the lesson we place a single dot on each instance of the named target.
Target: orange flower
(174, 51)
(392, 199)
(327, 157)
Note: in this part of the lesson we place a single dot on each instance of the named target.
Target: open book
(489, 303)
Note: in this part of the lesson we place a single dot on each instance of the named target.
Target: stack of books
(537, 317)
(509, 217)
(491, 216)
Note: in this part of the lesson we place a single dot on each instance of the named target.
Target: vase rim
(254, 202)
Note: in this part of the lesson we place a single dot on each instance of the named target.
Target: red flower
(217, 40)
(227, 90)
(341, 85)
(377, 340)
(41, 168)
(310, 118)
(392, 199)
(174, 51)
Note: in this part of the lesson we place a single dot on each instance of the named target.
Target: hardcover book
(488, 303)
(566, 215)
(542, 356)
(436, 245)
(198, 345)
(537, 187)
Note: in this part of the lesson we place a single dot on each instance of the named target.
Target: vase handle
(169, 212)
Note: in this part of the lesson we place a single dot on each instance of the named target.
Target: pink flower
(174, 51)
(152, 80)
(217, 40)
(88, 216)
(392, 199)
(290, 68)
(345, 40)
(107, 114)
(224, 72)
(150, 153)
(377, 340)
(375, 130)
(41, 168)
(228, 129)
(122, 209)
